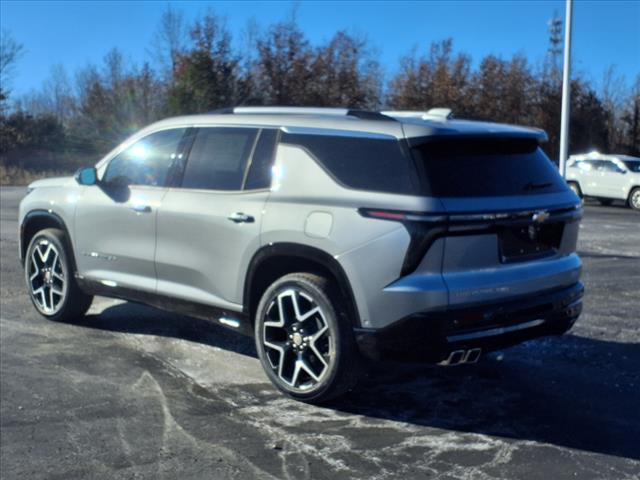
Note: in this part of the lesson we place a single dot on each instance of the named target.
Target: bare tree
(58, 89)
(614, 92)
(631, 119)
(249, 92)
(55, 97)
(169, 42)
(10, 52)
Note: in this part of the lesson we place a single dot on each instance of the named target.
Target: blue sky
(76, 33)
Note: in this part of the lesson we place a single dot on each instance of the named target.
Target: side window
(218, 158)
(612, 167)
(585, 165)
(607, 166)
(363, 163)
(259, 175)
(146, 162)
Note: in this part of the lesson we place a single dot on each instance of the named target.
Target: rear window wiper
(536, 186)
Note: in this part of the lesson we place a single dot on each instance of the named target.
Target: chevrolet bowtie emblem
(540, 217)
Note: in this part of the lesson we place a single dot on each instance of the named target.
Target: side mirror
(87, 176)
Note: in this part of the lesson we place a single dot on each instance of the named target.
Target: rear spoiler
(419, 130)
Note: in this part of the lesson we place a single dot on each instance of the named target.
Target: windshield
(633, 165)
(487, 167)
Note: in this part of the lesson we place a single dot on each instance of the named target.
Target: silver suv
(605, 177)
(330, 235)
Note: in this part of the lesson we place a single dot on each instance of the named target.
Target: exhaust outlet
(458, 357)
(473, 355)
(454, 358)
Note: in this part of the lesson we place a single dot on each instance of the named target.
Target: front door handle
(240, 217)
(141, 208)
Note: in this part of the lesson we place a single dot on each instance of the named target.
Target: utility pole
(566, 91)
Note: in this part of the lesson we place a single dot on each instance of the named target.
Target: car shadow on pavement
(144, 320)
(569, 391)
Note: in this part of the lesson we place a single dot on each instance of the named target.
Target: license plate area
(527, 241)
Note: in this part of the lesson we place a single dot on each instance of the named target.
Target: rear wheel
(634, 198)
(304, 339)
(49, 276)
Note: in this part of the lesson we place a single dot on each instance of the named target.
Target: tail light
(423, 230)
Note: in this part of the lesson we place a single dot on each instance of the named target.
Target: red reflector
(387, 215)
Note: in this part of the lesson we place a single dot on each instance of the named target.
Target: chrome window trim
(331, 132)
(104, 161)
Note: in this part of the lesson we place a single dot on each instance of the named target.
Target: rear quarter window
(362, 163)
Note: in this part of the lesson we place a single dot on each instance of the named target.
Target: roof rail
(291, 110)
(439, 114)
(341, 112)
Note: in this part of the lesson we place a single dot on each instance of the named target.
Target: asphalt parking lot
(133, 392)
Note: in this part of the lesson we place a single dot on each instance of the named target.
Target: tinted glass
(259, 175)
(218, 158)
(606, 166)
(362, 163)
(146, 162)
(487, 167)
(586, 165)
(633, 165)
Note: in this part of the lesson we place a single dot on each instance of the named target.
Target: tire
(605, 201)
(634, 199)
(49, 275)
(575, 187)
(299, 359)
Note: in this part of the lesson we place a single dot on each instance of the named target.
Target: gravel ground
(133, 392)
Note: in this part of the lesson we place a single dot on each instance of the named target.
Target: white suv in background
(606, 177)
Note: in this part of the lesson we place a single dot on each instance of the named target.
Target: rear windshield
(486, 168)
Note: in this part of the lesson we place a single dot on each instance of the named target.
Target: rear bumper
(432, 336)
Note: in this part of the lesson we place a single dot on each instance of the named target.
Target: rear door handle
(141, 208)
(240, 217)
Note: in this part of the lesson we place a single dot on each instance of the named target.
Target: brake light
(423, 229)
(385, 215)
(401, 216)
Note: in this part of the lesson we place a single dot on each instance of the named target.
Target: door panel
(202, 254)
(115, 225)
(611, 180)
(209, 227)
(588, 179)
(115, 238)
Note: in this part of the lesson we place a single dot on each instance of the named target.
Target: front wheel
(49, 276)
(305, 340)
(605, 201)
(634, 198)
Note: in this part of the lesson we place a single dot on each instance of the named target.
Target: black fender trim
(285, 249)
(50, 216)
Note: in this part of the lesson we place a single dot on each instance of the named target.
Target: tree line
(198, 68)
